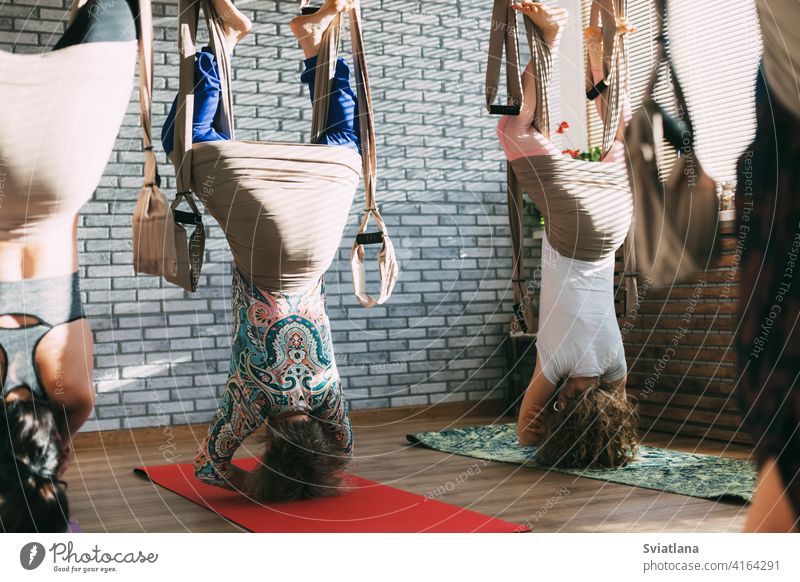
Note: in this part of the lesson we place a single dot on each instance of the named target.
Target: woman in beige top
(61, 114)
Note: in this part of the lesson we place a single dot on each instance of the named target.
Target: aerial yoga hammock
(587, 205)
(283, 371)
(61, 114)
(254, 189)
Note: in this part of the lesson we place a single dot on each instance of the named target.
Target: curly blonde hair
(594, 429)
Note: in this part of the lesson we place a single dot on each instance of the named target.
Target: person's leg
(207, 92)
(235, 25)
(208, 89)
(516, 133)
(309, 28)
(771, 509)
(102, 21)
(593, 36)
(341, 127)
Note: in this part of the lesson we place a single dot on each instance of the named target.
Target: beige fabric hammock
(54, 146)
(676, 222)
(283, 206)
(587, 205)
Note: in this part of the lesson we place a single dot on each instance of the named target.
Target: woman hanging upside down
(575, 407)
(49, 171)
(283, 372)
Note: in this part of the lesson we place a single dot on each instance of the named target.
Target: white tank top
(578, 331)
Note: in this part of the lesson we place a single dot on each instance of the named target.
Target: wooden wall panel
(680, 348)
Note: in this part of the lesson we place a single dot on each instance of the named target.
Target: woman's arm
(619, 384)
(234, 421)
(530, 425)
(335, 413)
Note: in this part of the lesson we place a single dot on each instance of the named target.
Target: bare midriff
(50, 253)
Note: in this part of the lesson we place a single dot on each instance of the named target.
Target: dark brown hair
(596, 428)
(32, 497)
(301, 461)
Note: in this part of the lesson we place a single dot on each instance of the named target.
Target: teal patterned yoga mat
(690, 474)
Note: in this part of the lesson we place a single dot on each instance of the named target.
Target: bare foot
(308, 28)
(235, 25)
(625, 27)
(550, 20)
(593, 37)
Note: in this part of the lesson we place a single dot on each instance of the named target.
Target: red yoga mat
(368, 507)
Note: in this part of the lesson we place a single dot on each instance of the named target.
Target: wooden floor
(106, 496)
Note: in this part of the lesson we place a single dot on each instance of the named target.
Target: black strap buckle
(504, 110)
(369, 238)
(519, 315)
(183, 217)
(596, 90)
(309, 10)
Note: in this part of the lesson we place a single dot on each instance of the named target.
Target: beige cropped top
(61, 114)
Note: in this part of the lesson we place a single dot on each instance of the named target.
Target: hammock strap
(523, 320)
(182, 147)
(542, 72)
(323, 83)
(192, 255)
(387, 261)
(503, 36)
(224, 118)
(682, 127)
(604, 13)
(151, 176)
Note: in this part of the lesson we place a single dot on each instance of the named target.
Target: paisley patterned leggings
(281, 362)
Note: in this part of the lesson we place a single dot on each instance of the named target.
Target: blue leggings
(342, 129)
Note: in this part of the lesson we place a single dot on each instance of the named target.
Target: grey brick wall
(161, 355)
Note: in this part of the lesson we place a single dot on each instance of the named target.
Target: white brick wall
(161, 355)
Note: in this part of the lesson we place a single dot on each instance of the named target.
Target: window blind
(715, 46)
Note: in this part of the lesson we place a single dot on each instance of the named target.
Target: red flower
(562, 127)
(573, 153)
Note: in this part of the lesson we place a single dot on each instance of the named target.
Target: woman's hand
(238, 480)
(532, 425)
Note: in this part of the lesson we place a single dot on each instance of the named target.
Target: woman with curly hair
(575, 409)
(283, 371)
